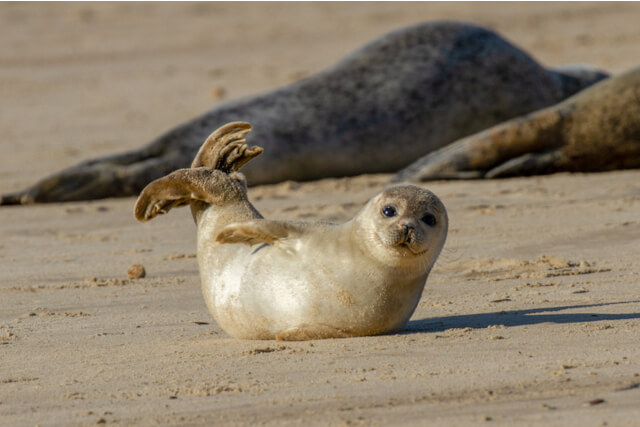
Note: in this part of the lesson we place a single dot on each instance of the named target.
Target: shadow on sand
(518, 318)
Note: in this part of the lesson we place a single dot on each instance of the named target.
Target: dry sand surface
(531, 316)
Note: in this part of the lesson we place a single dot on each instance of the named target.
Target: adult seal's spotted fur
(265, 279)
(596, 130)
(401, 96)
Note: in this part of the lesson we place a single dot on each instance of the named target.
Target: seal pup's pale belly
(260, 291)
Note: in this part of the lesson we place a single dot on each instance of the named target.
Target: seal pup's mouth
(404, 240)
(407, 245)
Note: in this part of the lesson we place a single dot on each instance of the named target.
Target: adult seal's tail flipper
(113, 176)
(596, 130)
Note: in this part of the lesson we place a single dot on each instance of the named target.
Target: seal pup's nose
(407, 229)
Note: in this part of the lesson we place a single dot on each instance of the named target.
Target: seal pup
(596, 130)
(404, 95)
(289, 280)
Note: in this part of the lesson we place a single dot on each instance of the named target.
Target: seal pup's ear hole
(258, 231)
(226, 149)
(177, 189)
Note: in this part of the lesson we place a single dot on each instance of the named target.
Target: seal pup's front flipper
(259, 231)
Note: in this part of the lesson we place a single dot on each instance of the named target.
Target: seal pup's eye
(429, 219)
(389, 211)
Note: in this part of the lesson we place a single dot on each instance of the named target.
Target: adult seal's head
(289, 280)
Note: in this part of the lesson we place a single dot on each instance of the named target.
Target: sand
(531, 316)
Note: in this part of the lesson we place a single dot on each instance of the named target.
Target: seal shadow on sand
(517, 318)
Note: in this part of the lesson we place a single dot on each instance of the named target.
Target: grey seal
(401, 96)
(288, 280)
(595, 130)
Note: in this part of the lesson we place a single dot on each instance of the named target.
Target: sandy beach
(530, 317)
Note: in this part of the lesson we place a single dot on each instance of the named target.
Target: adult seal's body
(401, 96)
(265, 279)
(596, 130)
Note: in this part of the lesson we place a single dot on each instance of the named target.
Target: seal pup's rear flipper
(184, 187)
(212, 179)
(259, 231)
(226, 149)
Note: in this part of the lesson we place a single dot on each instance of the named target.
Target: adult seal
(265, 279)
(404, 95)
(596, 130)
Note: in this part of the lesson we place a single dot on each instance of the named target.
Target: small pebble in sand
(217, 92)
(136, 271)
(594, 402)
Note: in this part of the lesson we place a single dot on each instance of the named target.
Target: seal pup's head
(405, 226)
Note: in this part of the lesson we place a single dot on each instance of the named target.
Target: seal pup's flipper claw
(226, 149)
(259, 231)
